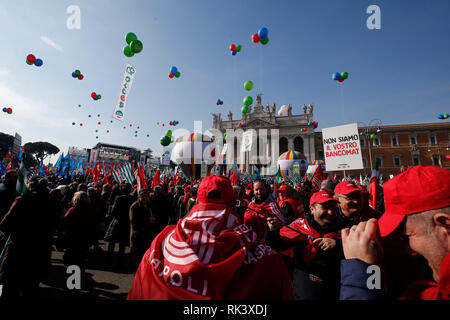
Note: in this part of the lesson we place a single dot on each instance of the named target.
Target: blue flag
(58, 163)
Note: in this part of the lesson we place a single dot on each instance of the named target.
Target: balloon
(136, 46)
(99, 123)
(177, 75)
(171, 139)
(170, 122)
(128, 52)
(344, 75)
(96, 137)
(336, 76)
(77, 72)
(107, 131)
(157, 123)
(245, 109)
(29, 63)
(248, 85)
(341, 80)
(446, 116)
(148, 135)
(130, 37)
(165, 141)
(225, 135)
(89, 116)
(447, 157)
(171, 75)
(98, 115)
(248, 100)
(169, 133)
(38, 63)
(310, 123)
(111, 121)
(265, 41)
(93, 95)
(99, 96)
(73, 123)
(238, 48)
(263, 33)
(74, 75)
(173, 70)
(305, 129)
(9, 110)
(96, 130)
(31, 58)
(81, 124)
(255, 38)
(373, 136)
(80, 77)
(233, 53)
(163, 124)
(232, 47)
(4, 109)
(286, 162)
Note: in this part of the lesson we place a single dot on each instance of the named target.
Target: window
(394, 141)
(412, 140)
(320, 154)
(376, 142)
(433, 139)
(436, 160)
(416, 160)
(363, 142)
(397, 161)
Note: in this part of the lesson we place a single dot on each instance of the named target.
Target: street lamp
(374, 123)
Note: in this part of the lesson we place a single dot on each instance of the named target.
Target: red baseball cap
(346, 187)
(284, 187)
(321, 196)
(215, 182)
(416, 190)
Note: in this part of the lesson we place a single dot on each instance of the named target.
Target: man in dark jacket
(161, 207)
(7, 192)
(119, 228)
(317, 249)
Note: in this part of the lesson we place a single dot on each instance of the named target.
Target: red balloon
(107, 131)
(80, 77)
(171, 75)
(232, 47)
(255, 38)
(93, 95)
(81, 124)
(138, 127)
(131, 125)
(163, 124)
(9, 110)
(170, 122)
(31, 58)
(99, 123)
(341, 80)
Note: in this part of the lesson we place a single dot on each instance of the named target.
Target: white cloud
(4, 72)
(51, 43)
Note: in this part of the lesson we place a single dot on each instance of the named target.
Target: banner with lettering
(119, 110)
(342, 148)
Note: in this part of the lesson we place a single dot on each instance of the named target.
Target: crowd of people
(208, 239)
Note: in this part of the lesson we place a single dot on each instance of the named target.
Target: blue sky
(398, 74)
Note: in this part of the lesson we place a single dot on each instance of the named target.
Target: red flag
(9, 166)
(132, 166)
(156, 179)
(374, 189)
(317, 177)
(96, 172)
(233, 178)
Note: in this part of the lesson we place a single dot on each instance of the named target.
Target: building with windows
(107, 154)
(397, 146)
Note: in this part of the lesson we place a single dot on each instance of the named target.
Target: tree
(40, 150)
(6, 142)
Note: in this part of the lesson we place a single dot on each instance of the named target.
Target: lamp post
(374, 123)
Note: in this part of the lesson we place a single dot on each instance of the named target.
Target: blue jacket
(354, 286)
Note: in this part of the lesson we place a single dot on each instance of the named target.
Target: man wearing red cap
(211, 255)
(418, 208)
(351, 210)
(291, 208)
(317, 249)
(265, 203)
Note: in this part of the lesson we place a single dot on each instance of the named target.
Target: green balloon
(344, 75)
(169, 133)
(130, 37)
(136, 46)
(29, 63)
(245, 109)
(226, 136)
(127, 51)
(238, 48)
(99, 96)
(248, 100)
(171, 139)
(165, 141)
(264, 41)
(446, 116)
(77, 72)
(248, 85)
(373, 136)
(177, 75)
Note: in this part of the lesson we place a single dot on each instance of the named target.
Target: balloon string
(260, 70)
(342, 102)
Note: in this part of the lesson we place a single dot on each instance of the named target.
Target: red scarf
(310, 234)
(197, 258)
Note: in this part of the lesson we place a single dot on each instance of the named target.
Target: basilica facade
(273, 134)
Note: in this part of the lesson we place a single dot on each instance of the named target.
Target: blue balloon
(96, 137)
(234, 52)
(440, 116)
(73, 75)
(148, 135)
(173, 70)
(336, 76)
(4, 109)
(263, 33)
(111, 121)
(73, 123)
(38, 63)
(89, 116)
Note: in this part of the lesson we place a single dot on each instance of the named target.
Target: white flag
(119, 110)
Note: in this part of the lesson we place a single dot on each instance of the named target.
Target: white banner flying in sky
(119, 110)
